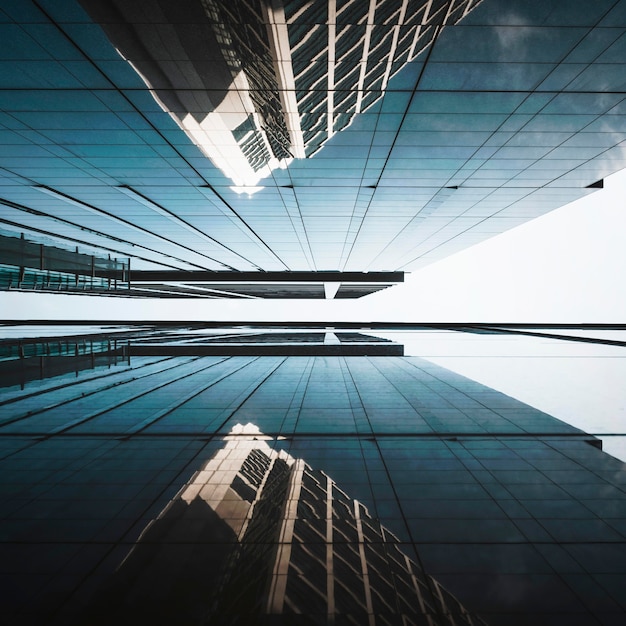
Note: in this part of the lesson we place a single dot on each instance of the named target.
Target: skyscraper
(295, 490)
(504, 112)
(299, 546)
(255, 84)
(258, 148)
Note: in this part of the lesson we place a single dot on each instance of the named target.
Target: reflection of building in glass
(342, 55)
(296, 544)
(33, 266)
(510, 112)
(518, 515)
(256, 83)
(247, 343)
(25, 360)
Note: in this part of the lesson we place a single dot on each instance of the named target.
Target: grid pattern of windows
(36, 266)
(369, 489)
(508, 111)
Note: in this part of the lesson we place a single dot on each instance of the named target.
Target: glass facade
(279, 489)
(256, 84)
(28, 265)
(330, 474)
(451, 122)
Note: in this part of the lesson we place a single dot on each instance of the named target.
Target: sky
(564, 267)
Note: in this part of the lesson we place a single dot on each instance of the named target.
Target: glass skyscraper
(256, 84)
(146, 479)
(505, 112)
(275, 474)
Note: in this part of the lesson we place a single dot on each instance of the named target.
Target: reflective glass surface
(328, 475)
(311, 489)
(302, 136)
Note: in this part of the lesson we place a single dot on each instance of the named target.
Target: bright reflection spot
(241, 189)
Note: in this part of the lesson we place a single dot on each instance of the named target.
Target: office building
(37, 266)
(295, 545)
(507, 111)
(295, 489)
(257, 84)
(344, 144)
